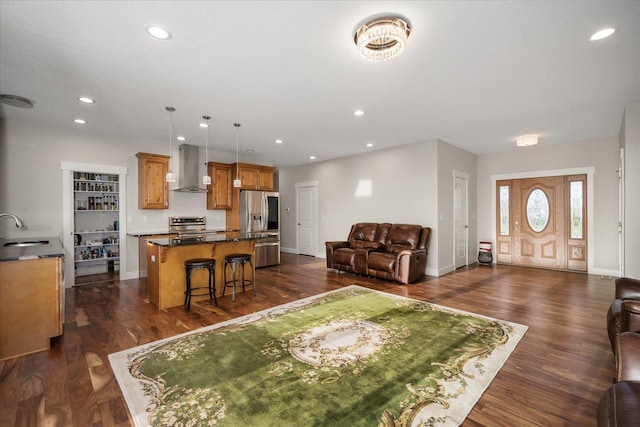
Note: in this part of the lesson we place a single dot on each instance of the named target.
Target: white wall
(602, 154)
(31, 180)
(404, 190)
(409, 185)
(630, 140)
(451, 158)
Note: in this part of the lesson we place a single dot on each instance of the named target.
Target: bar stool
(235, 260)
(200, 264)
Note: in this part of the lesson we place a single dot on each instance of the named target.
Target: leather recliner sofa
(395, 252)
(620, 405)
(624, 312)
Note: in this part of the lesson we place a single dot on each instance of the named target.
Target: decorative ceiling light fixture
(206, 179)
(236, 182)
(382, 38)
(527, 140)
(170, 176)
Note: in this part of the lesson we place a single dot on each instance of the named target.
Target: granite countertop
(155, 233)
(219, 237)
(14, 253)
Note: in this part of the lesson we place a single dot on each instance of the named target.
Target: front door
(542, 222)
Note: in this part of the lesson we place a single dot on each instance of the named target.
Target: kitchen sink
(26, 243)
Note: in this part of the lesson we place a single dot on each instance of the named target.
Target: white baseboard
(130, 275)
(604, 272)
(288, 250)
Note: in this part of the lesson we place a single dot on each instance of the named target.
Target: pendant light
(206, 179)
(170, 176)
(236, 182)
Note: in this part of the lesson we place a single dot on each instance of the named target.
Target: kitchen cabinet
(255, 177)
(153, 189)
(219, 192)
(30, 305)
(96, 224)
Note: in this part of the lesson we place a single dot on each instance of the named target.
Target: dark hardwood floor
(555, 376)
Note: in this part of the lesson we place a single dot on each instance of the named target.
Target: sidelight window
(504, 210)
(576, 210)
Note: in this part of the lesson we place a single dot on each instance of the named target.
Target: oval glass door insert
(537, 210)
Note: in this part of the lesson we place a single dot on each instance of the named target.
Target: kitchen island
(165, 264)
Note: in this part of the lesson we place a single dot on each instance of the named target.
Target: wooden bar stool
(198, 264)
(235, 260)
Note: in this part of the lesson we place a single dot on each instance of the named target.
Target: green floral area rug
(353, 357)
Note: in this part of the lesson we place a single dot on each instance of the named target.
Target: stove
(189, 226)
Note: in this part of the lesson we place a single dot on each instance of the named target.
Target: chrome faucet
(19, 223)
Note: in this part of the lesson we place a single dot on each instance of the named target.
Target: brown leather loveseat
(389, 251)
(620, 404)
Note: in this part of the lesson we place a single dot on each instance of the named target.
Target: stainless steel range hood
(188, 176)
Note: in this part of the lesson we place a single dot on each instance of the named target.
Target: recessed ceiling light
(358, 113)
(86, 100)
(370, 144)
(203, 125)
(159, 33)
(80, 121)
(250, 150)
(278, 141)
(181, 138)
(312, 157)
(602, 34)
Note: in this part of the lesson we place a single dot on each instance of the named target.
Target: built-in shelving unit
(96, 224)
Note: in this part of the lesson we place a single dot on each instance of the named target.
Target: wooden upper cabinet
(219, 193)
(153, 189)
(256, 177)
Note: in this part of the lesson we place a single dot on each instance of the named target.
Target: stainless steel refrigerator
(260, 215)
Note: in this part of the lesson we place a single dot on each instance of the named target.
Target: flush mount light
(86, 100)
(382, 38)
(527, 140)
(602, 34)
(158, 33)
(358, 113)
(278, 141)
(80, 121)
(370, 144)
(203, 125)
(312, 157)
(181, 138)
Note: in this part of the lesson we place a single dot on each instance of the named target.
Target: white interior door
(460, 220)
(306, 196)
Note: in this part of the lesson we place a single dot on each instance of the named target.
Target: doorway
(542, 222)
(307, 218)
(461, 218)
(81, 247)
